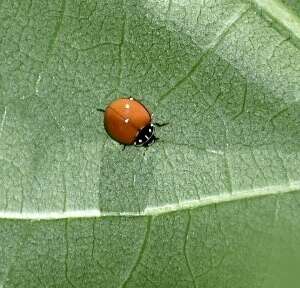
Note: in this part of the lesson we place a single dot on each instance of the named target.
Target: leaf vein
(282, 15)
(149, 211)
(141, 253)
(184, 249)
(211, 48)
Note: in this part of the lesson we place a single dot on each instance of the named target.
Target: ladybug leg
(124, 146)
(100, 109)
(161, 124)
(146, 145)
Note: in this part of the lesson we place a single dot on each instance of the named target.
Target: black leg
(147, 144)
(124, 146)
(161, 124)
(100, 109)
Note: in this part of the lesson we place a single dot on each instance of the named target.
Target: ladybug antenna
(161, 124)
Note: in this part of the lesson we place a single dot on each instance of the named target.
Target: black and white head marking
(146, 136)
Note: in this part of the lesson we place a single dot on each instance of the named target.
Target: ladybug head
(146, 136)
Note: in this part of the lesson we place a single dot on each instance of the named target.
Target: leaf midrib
(293, 187)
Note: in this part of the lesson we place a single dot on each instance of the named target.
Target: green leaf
(214, 203)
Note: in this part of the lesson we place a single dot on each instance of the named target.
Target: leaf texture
(214, 203)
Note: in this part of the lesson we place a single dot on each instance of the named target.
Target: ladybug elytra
(129, 122)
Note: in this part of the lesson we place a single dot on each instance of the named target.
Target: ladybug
(129, 122)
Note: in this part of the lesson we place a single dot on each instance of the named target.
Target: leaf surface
(214, 203)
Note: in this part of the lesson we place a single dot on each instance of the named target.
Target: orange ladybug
(129, 122)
